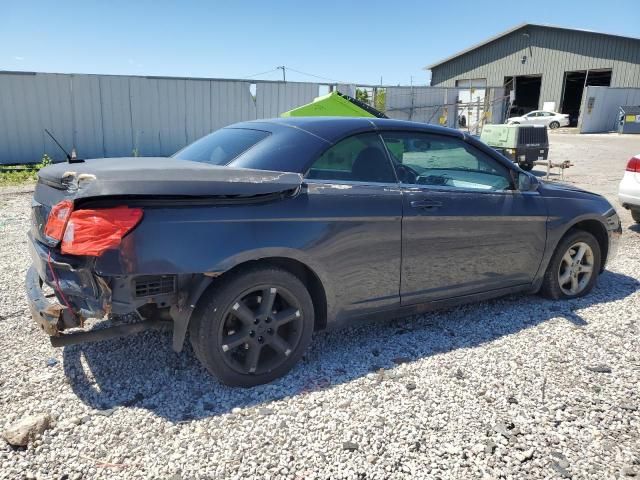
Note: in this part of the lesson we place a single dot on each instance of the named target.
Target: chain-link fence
(464, 108)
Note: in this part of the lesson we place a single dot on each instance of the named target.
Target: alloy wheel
(261, 328)
(576, 269)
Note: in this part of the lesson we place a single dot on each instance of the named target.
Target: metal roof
(516, 28)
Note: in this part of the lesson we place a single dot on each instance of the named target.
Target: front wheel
(253, 327)
(554, 125)
(574, 267)
(635, 214)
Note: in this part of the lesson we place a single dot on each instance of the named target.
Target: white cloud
(19, 58)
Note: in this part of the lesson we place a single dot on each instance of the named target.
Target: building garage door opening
(574, 83)
(527, 93)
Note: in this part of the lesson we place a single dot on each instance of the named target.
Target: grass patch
(20, 174)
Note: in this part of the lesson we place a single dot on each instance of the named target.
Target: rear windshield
(221, 146)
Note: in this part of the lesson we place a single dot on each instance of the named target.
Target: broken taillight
(91, 232)
(57, 220)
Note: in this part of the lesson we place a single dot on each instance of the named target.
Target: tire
(553, 125)
(558, 267)
(526, 166)
(261, 353)
(635, 214)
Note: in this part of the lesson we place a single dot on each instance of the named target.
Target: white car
(541, 117)
(629, 190)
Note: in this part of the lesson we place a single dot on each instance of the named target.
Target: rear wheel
(254, 327)
(574, 267)
(635, 214)
(553, 125)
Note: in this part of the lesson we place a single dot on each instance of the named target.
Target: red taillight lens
(634, 165)
(91, 232)
(57, 220)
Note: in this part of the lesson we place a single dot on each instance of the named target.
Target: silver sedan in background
(541, 117)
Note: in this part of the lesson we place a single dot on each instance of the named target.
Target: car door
(353, 196)
(534, 118)
(549, 117)
(465, 229)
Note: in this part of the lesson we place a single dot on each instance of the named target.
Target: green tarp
(335, 104)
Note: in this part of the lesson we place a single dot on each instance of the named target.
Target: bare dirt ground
(599, 162)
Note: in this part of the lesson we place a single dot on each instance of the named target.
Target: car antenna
(71, 158)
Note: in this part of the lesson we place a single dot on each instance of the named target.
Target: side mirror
(527, 182)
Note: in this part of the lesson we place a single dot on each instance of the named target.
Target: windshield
(221, 146)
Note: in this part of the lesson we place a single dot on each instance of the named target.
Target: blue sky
(340, 40)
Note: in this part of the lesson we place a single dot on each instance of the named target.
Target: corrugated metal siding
(604, 115)
(550, 52)
(198, 121)
(274, 98)
(87, 115)
(108, 115)
(420, 104)
(115, 98)
(28, 105)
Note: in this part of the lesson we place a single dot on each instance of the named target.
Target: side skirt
(417, 309)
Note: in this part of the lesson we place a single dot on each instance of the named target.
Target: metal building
(545, 66)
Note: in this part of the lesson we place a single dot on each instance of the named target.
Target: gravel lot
(519, 387)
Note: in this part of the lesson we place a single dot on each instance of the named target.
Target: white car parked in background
(629, 190)
(541, 117)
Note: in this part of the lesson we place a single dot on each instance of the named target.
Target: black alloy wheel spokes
(260, 330)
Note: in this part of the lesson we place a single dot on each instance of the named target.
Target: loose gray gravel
(519, 387)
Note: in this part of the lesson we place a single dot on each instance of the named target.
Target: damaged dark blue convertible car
(258, 234)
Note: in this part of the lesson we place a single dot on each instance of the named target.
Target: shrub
(19, 174)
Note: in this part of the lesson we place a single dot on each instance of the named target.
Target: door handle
(426, 204)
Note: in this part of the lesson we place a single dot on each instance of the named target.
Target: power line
(259, 74)
(321, 77)
(317, 76)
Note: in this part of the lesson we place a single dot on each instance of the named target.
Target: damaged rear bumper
(79, 294)
(50, 315)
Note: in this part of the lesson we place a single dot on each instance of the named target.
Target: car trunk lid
(151, 178)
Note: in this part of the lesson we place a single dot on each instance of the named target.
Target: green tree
(380, 100)
(362, 95)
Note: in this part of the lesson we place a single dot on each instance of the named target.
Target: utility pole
(284, 75)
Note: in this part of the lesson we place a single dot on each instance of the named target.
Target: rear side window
(360, 158)
(221, 146)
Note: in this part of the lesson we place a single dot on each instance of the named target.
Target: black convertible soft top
(276, 164)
